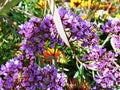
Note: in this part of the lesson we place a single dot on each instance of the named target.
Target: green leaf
(79, 74)
(76, 74)
(79, 78)
(7, 5)
(58, 23)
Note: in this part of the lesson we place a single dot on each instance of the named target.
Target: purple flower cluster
(31, 42)
(43, 78)
(112, 26)
(49, 78)
(108, 73)
(50, 32)
(80, 29)
(109, 77)
(115, 42)
(96, 53)
(10, 74)
(36, 33)
(17, 76)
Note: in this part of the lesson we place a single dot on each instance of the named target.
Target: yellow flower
(15, 23)
(84, 17)
(62, 59)
(41, 4)
(118, 16)
(106, 15)
(75, 3)
(83, 3)
(86, 3)
(96, 15)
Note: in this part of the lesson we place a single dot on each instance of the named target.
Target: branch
(106, 40)
(23, 12)
(10, 22)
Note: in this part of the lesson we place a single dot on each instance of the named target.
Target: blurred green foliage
(10, 20)
(6, 6)
(9, 39)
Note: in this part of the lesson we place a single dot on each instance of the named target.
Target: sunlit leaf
(58, 23)
(7, 5)
(76, 74)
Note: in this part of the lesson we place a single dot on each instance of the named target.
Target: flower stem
(117, 65)
(106, 40)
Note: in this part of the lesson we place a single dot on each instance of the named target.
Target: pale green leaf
(58, 23)
(7, 5)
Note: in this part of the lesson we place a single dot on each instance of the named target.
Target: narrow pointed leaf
(7, 5)
(58, 23)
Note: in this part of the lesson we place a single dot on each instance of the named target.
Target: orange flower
(51, 53)
(55, 54)
(107, 6)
